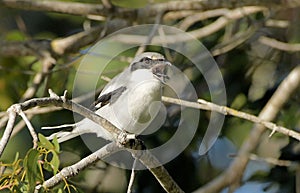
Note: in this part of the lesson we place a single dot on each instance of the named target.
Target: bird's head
(152, 61)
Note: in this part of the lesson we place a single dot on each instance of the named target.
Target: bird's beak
(159, 70)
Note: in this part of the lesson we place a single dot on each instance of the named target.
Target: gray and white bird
(130, 101)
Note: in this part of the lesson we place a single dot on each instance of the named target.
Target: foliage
(24, 174)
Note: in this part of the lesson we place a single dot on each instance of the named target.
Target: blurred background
(254, 44)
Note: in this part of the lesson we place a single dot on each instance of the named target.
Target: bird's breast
(144, 100)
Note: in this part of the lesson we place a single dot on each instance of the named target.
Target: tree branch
(145, 157)
(8, 130)
(273, 43)
(205, 105)
(73, 8)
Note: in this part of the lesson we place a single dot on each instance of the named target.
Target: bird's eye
(146, 60)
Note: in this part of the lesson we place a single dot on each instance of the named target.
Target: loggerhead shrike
(130, 101)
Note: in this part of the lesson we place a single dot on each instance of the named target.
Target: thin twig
(176, 15)
(8, 130)
(20, 125)
(270, 160)
(190, 20)
(30, 128)
(233, 42)
(277, 23)
(132, 177)
(48, 63)
(152, 33)
(279, 45)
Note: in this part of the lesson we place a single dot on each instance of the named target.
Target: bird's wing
(109, 98)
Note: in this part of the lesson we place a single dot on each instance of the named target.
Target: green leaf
(16, 158)
(33, 174)
(47, 166)
(44, 142)
(129, 3)
(56, 144)
(22, 187)
(15, 35)
(55, 162)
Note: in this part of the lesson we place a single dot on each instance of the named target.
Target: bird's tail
(63, 135)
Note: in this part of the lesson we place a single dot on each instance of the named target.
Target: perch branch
(146, 158)
(205, 105)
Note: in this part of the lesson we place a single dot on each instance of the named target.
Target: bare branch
(25, 48)
(252, 118)
(8, 130)
(48, 64)
(174, 15)
(42, 110)
(73, 43)
(60, 102)
(57, 6)
(270, 160)
(233, 42)
(277, 23)
(30, 128)
(142, 48)
(146, 158)
(132, 177)
(196, 17)
(20, 125)
(273, 43)
(205, 105)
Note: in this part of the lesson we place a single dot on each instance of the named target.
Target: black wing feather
(110, 97)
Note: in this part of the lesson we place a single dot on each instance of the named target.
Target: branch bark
(273, 43)
(205, 105)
